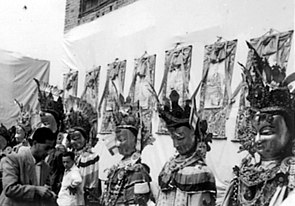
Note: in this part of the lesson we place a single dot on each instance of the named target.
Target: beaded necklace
(177, 163)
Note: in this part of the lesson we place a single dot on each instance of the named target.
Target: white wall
(36, 32)
(157, 25)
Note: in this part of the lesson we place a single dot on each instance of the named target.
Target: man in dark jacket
(20, 183)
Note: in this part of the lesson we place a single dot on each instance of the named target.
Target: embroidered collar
(252, 174)
(179, 162)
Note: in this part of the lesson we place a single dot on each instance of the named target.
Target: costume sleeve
(89, 169)
(76, 179)
(12, 187)
(140, 175)
(142, 184)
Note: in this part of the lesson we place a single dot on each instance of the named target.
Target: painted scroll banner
(113, 88)
(143, 77)
(276, 49)
(90, 93)
(176, 77)
(70, 84)
(218, 65)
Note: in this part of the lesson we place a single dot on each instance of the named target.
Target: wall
(156, 26)
(73, 8)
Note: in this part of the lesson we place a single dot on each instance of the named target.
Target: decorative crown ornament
(24, 117)
(129, 116)
(46, 96)
(268, 86)
(79, 114)
(175, 116)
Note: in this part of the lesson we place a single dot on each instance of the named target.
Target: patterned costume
(266, 176)
(79, 121)
(185, 179)
(128, 181)
(123, 178)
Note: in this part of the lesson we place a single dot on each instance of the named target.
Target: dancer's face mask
(271, 135)
(126, 142)
(183, 139)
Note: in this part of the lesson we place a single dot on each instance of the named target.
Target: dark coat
(20, 180)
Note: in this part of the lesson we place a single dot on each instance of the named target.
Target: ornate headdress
(129, 116)
(79, 115)
(46, 96)
(269, 91)
(268, 87)
(24, 118)
(175, 116)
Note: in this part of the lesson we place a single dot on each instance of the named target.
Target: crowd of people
(54, 164)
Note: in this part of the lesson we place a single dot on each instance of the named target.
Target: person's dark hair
(42, 134)
(69, 154)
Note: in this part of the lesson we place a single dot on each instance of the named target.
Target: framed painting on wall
(90, 93)
(218, 67)
(113, 88)
(70, 83)
(143, 77)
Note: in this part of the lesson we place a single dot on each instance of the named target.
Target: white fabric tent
(16, 82)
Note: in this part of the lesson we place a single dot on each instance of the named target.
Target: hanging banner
(70, 84)
(176, 77)
(276, 49)
(90, 93)
(216, 91)
(143, 77)
(113, 89)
